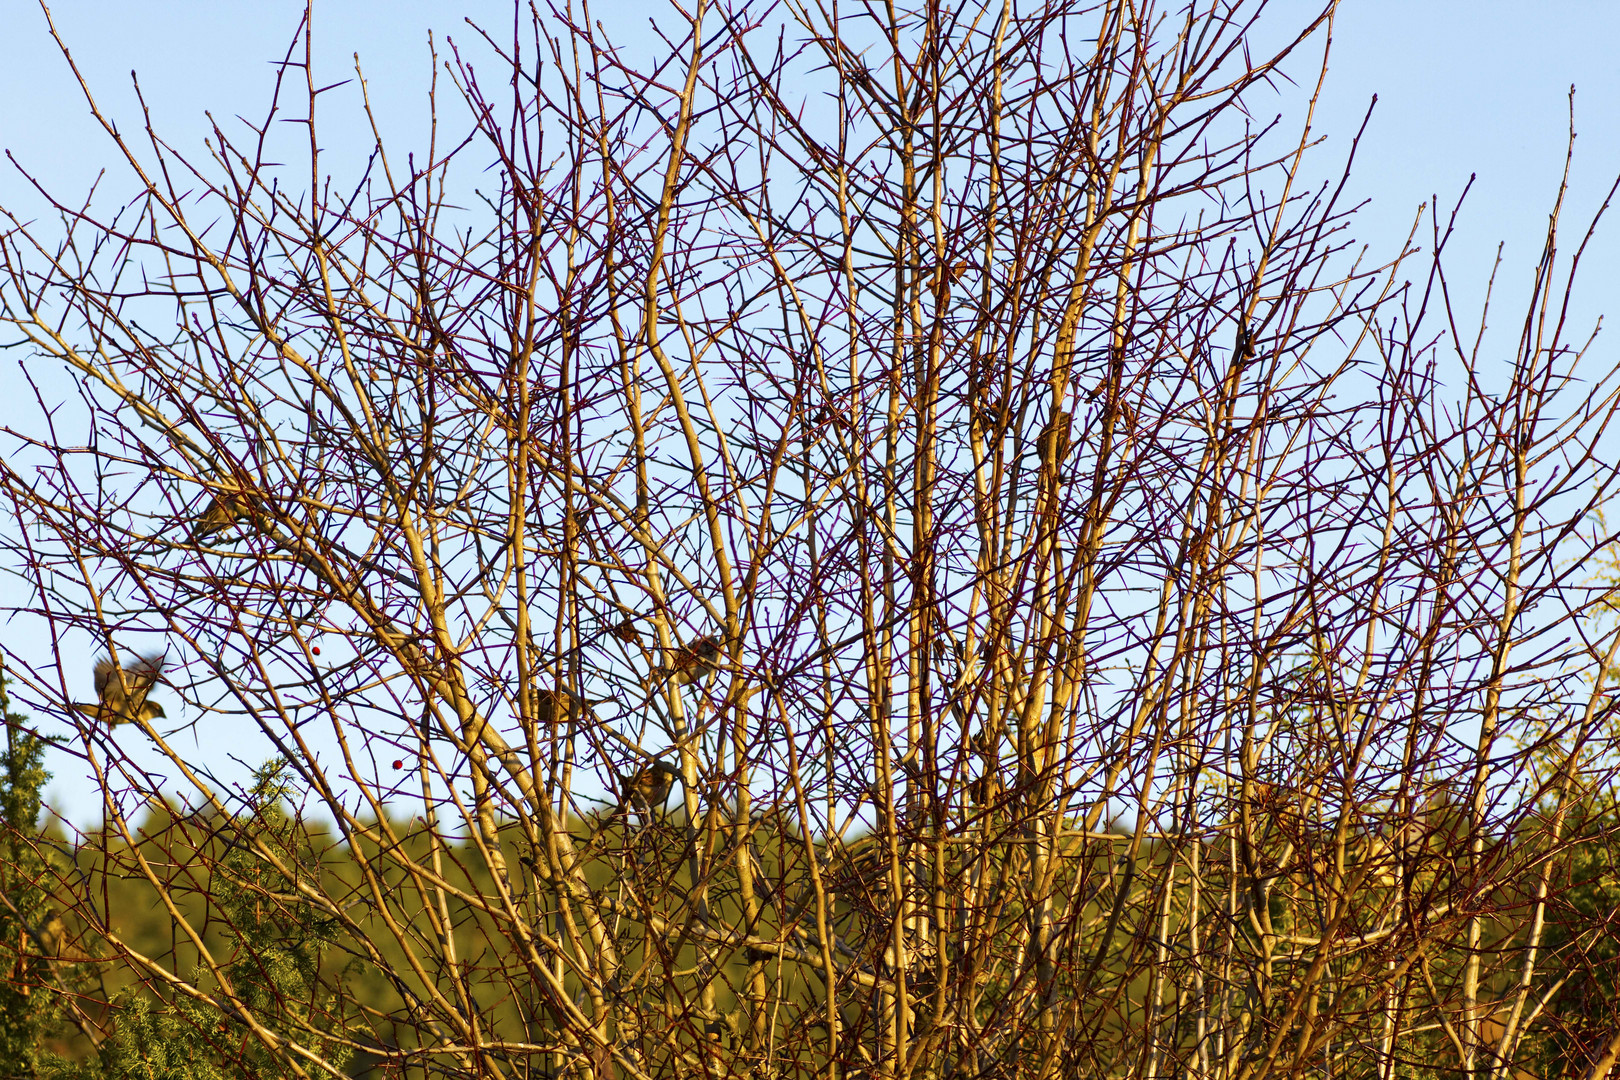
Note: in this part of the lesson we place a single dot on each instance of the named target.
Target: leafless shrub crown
(883, 543)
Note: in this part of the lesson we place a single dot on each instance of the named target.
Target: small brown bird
(1054, 440)
(122, 691)
(695, 661)
(1244, 347)
(223, 511)
(52, 933)
(648, 788)
(950, 272)
(549, 706)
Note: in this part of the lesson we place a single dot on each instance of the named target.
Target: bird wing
(138, 677)
(104, 674)
(143, 672)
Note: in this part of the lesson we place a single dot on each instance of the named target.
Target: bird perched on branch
(693, 662)
(648, 788)
(1054, 438)
(1243, 348)
(223, 511)
(122, 692)
(549, 706)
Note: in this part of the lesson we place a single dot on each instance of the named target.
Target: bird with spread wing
(122, 691)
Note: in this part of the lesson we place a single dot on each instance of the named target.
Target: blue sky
(1463, 88)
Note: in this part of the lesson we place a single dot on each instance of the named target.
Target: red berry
(398, 764)
(316, 649)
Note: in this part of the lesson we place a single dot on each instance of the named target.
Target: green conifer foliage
(29, 1009)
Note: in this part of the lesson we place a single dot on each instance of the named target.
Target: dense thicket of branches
(891, 542)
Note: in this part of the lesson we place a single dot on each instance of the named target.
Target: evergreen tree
(31, 1004)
